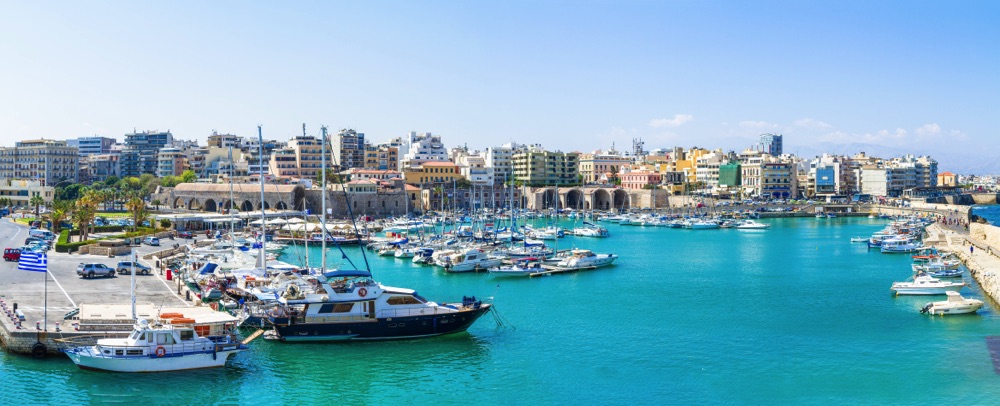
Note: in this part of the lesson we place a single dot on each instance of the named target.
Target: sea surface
(991, 213)
(796, 314)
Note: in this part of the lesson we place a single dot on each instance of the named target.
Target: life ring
(362, 292)
(160, 351)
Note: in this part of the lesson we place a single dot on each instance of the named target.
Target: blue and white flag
(33, 261)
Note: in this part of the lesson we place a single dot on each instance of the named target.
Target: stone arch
(246, 206)
(281, 206)
(602, 199)
(266, 206)
(194, 204)
(574, 199)
(226, 205)
(179, 203)
(586, 205)
(550, 198)
(621, 199)
(210, 206)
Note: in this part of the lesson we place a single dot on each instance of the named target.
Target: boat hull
(926, 290)
(88, 360)
(391, 328)
(955, 309)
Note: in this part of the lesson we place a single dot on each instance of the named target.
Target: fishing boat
(175, 344)
(703, 225)
(923, 284)
(900, 246)
(956, 304)
(859, 239)
(352, 306)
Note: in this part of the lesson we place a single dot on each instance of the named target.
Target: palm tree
(36, 201)
(137, 208)
(60, 211)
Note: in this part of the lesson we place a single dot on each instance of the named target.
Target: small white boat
(859, 239)
(405, 252)
(704, 225)
(521, 267)
(161, 347)
(926, 285)
(956, 304)
(752, 225)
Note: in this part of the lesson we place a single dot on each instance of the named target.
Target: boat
(859, 239)
(405, 252)
(704, 225)
(176, 344)
(472, 259)
(752, 225)
(923, 284)
(956, 304)
(423, 256)
(520, 267)
(945, 273)
(353, 306)
(579, 259)
(899, 246)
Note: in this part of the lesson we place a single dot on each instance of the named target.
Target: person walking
(971, 249)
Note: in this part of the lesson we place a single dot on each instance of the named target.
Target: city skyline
(886, 78)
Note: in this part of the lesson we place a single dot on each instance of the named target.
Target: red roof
(435, 163)
(946, 174)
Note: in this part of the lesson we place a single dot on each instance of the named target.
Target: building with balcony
(45, 161)
(771, 144)
(224, 140)
(92, 145)
(100, 166)
(539, 167)
(171, 162)
(140, 154)
(641, 179)
(301, 159)
(433, 173)
(20, 191)
(381, 157)
(596, 167)
(421, 148)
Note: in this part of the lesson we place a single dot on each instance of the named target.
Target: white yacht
(926, 285)
(956, 304)
(586, 259)
(752, 225)
(469, 260)
(168, 345)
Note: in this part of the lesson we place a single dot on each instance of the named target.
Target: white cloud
(811, 123)
(926, 130)
(677, 121)
(899, 134)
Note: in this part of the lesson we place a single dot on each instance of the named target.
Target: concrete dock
(66, 291)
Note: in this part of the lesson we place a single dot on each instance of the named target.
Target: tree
(36, 201)
(614, 176)
(137, 208)
(156, 202)
(332, 177)
(83, 213)
(169, 181)
(60, 211)
(463, 183)
(69, 192)
(188, 176)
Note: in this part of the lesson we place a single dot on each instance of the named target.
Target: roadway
(66, 290)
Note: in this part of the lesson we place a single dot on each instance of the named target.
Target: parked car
(125, 268)
(185, 234)
(90, 270)
(12, 254)
(153, 241)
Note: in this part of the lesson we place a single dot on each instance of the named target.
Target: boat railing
(164, 350)
(423, 311)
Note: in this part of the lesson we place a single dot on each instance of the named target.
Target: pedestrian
(971, 249)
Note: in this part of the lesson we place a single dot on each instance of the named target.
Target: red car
(11, 254)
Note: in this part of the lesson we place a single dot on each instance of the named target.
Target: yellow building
(947, 179)
(433, 172)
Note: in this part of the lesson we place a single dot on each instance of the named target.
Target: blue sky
(902, 76)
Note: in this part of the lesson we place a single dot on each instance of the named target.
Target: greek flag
(33, 261)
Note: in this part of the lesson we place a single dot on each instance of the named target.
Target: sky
(887, 77)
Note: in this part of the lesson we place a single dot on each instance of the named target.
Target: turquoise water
(792, 315)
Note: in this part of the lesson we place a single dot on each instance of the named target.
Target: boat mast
(263, 218)
(232, 221)
(305, 219)
(323, 204)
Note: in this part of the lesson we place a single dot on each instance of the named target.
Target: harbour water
(792, 315)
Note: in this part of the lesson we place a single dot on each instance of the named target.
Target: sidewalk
(983, 262)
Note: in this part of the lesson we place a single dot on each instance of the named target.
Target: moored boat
(175, 344)
(956, 304)
(926, 285)
(353, 306)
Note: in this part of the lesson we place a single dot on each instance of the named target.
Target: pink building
(639, 179)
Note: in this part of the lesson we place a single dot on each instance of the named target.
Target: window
(402, 300)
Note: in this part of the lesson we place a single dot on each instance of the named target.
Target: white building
(420, 148)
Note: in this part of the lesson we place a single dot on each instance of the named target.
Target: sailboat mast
(323, 204)
(232, 221)
(263, 218)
